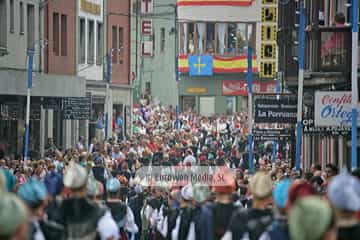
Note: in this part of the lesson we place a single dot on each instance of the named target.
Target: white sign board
(333, 109)
(147, 6)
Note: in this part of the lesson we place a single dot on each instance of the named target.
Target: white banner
(333, 109)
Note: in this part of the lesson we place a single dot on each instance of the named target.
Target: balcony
(327, 58)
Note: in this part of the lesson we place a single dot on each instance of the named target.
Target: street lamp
(40, 44)
(108, 109)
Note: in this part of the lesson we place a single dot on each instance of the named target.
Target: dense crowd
(94, 192)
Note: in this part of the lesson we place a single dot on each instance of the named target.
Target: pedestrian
(344, 196)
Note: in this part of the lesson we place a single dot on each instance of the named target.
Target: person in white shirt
(189, 158)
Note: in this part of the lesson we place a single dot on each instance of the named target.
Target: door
(207, 106)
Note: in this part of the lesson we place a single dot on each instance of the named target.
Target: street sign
(273, 134)
(77, 108)
(281, 110)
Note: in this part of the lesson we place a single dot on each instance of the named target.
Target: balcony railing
(334, 52)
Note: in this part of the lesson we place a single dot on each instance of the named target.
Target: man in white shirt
(189, 158)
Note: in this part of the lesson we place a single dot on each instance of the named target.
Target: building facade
(26, 27)
(153, 51)
(327, 68)
(220, 31)
(70, 43)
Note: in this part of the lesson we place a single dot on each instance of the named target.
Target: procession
(95, 191)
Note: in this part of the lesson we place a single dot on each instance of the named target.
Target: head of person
(344, 195)
(281, 195)
(299, 189)
(340, 19)
(13, 217)
(223, 185)
(331, 170)
(312, 218)
(34, 194)
(201, 193)
(187, 195)
(113, 186)
(75, 179)
(260, 186)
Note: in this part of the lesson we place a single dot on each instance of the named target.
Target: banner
(214, 2)
(281, 110)
(310, 128)
(221, 64)
(201, 65)
(333, 109)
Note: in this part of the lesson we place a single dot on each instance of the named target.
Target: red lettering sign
(146, 27)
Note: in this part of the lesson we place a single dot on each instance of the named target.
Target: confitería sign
(281, 110)
(333, 109)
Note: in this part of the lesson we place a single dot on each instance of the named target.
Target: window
(63, 35)
(153, 40)
(114, 43)
(56, 39)
(12, 16)
(99, 44)
(82, 41)
(30, 25)
(231, 39)
(201, 34)
(210, 38)
(121, 43)
(90, 56)
(162, 40)
(3, 26)
(148, 87)
(21, 9)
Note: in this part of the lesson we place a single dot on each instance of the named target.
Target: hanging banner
(333, 109)
(240, 88)
(214, 2)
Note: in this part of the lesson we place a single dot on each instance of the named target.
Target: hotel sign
(90, 7)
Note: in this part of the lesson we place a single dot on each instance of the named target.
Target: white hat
(187, 192)
(261, 185)
(75, 176)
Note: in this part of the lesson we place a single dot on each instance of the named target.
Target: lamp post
(354, 79)
(108, 104)
(250, 120)
(30, 55)
(301, 63)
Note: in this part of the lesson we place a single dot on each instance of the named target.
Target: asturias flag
(200, 65)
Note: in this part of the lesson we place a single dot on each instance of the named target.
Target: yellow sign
(196, 90)
(90, 7)
(268, 69)
(268, 32)
(268, 51)
(269, 14)
(269, 2)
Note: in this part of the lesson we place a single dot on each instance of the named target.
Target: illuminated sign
(268, 50)
(196, 90)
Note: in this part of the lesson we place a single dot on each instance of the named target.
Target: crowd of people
(94, 192)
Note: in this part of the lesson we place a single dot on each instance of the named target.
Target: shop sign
(196, 90)
(273, 134)
(90, 7)
(333, 109)
(234, 88)
(310, 128)
(283, 110)
(77, 108)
